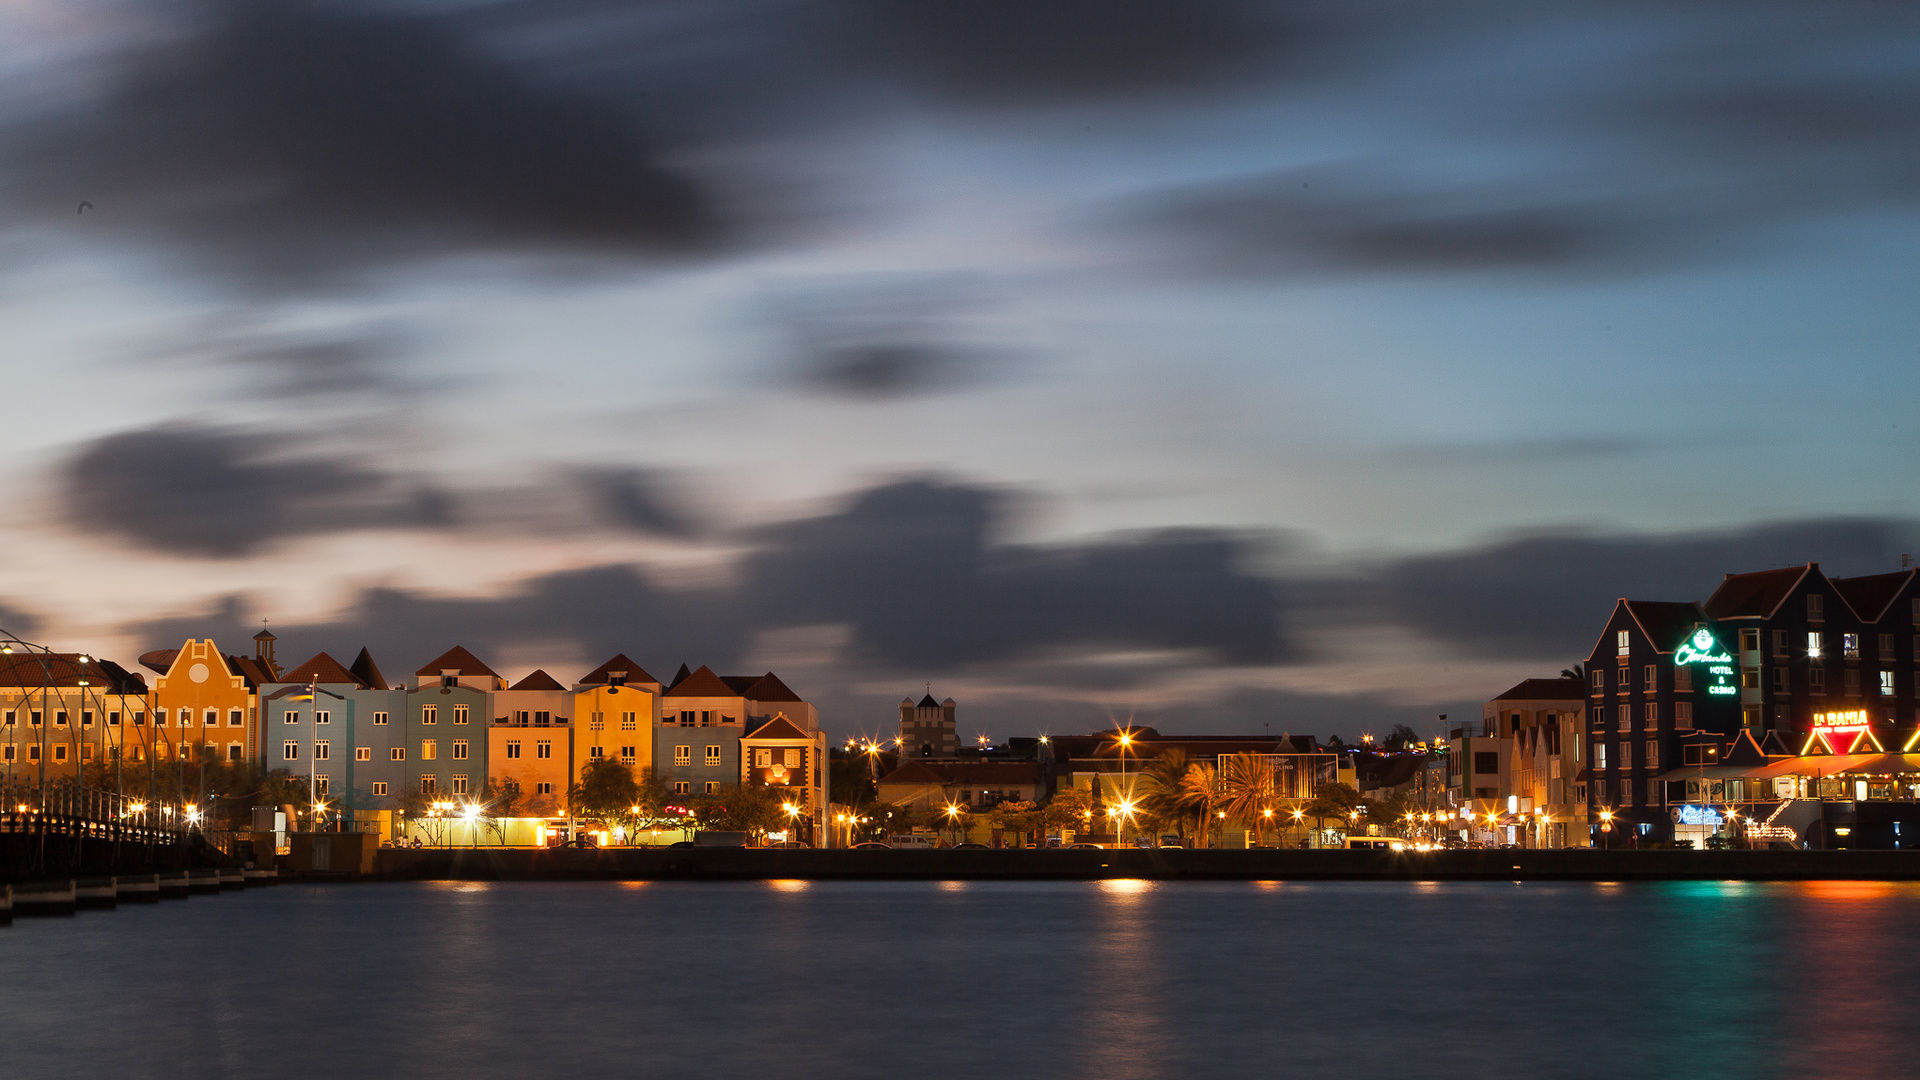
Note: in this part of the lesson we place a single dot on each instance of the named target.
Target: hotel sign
(1845, 728)
(1700, 648)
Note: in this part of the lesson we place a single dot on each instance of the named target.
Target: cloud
(1547, 596)
(17, 621)
(300, 140)
(220, 493)
(638, 499)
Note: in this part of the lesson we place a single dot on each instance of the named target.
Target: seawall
(739, 864)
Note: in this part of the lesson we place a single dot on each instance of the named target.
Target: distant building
(447, 730)
(530, 744)
(1527, 766)
(339, 728)
(927, 730)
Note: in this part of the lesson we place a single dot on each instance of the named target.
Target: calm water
(848, 980)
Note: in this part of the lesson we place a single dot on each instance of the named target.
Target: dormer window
(449, 677)
(1621, 643)
(616, 678)
(1816, 607)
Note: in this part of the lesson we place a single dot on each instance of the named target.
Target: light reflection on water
(1113, 979)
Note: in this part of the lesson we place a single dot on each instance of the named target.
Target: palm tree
(1578, 673)
(1247, 789)
(1159, 788)
(1199, 791)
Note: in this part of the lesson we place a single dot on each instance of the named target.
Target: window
(139, 719)
(1626, 718)
(1750, 640)
(398, 753)
(1683, 680)
(321, 716)
(1817, 680)
(596, 751)
(60, 718)
(1886, 647)
(459, 783)
(627, 755)
(686, 717)
(1850, 646)
(320, 751)
(1850, 680)
(320, 783)
(10, 718)
(1749, 678)
(513, 749)
(290, 751)
(86, 718)
(428, 749)
(541, 719)
(681, 787)
(429, 785)
(543, 749)
(1600, 791)
(1779, 643)
(159, 718)
(1599, 682)
(1916, 613)
(729, 720)
(1816, 607)
(1780, 684)
(683, 755)
(460, 715)
(597, 722)
(1653, 793)
(33, 753)
(60, 751)
(235, 718)
(627, 721)
(6, 752)
(379, 719)
(1621, 644)
(448, 682)
(520, 718)
(289, 717)
(762, 758)
(1653, 753)
(459, 749)
(1886, 683)
(706, 717)
(429, 714)
(363, 753)
(1486, 762)
(543, 788)
(713, 755)
(1626, 755)
(1651, 715)
(793, 758)
(1652, 678)
(379, 787)
(1813, 644)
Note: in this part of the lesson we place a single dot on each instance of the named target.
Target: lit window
(713, 755)
(762, 758)
(363, 753)
(793, 758)
(428, 749)
(1850, 646)
(1886, 683)
(1813, 644)
(713, 787)
(683, 755)
(1621, 644)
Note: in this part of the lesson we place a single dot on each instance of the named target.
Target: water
(845, 980)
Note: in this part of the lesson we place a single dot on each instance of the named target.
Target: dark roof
(928, 703)
(460, 658)
(701, 683)
(778, 728)
(253, 671)
(1759, 593)
(540, 680)
(679, 677)
(740, 684)
(24, 669)
(1666, 623)
(768, 687)
(1546, 690)
(263, 635)
(620, 662)
(368, 671)
(1869, 596)
(965, 772)
(322, 669)
(160, 660)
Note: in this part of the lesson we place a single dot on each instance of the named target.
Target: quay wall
(742, 864)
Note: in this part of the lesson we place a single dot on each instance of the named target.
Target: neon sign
(1700, 648)
(1850, 726)
(1700, 815)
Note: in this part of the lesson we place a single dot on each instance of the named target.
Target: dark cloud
(638, 499)
(891, 335)
(17, 621)
(299, 139)
(1548, 596)
(895, 369)
(219, 493)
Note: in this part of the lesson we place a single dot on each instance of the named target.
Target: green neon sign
(1700, 648)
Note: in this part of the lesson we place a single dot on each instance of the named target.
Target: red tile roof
(253, 671)
(321, 669)
(620, 662)
(768, 687)
(460, 658)
(1758, 593)
(702, 683)
(25, 669)
(540, 680)
(778, 728)
(1869, 596)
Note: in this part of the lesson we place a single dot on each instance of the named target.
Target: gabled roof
(927, 703)
(321, 669)
(1546, 690)
(1664, 622)
(1869, 596)
(368, 671)
(1743, 750)
(1759, 593)
(252, 670)
(702, 683)
(540, 680)
(914, 772)
(457, 657)
(679, 677)
(22, 669)
(635, 673)
(768, 687)
(740, 684)
(778, 728)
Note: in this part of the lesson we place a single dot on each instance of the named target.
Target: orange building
(205, 704)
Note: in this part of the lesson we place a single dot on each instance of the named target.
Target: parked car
(1084, 847)
(982, 847)
(872, 844)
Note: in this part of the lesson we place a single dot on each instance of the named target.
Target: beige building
(1528, 767)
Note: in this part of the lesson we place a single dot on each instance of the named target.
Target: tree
(753, 809)
(1199, 792)
(1332, 800)
(1070, 808)
(1158, 790)
(954, 817)
(1401, 737)
(1578, 673)
(1015, 816)
(606, 791)
(1247, 791)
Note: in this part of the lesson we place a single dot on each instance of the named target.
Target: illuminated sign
(1837, 729)
(1700, 648)
(1699, 815)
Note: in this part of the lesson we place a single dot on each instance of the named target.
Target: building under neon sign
(1700, 648)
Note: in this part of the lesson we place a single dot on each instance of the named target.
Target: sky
(1227, 367)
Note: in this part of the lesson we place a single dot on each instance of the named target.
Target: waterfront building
(616, 708)
(928, 730)
(530, 746)
(64, 713)
(343, 730)
(447, 729)
(790, 753)
(205, 704)
(1528, 770)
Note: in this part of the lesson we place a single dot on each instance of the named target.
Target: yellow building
(62, 713)
(530, 744)
(615, 707)
(205, 704)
